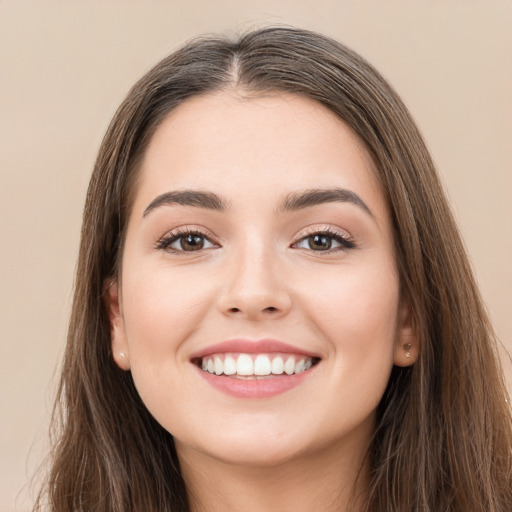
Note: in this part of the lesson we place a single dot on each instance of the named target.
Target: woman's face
(258, 308)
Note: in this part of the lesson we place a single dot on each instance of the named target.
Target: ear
(407, 345)
(117, 331)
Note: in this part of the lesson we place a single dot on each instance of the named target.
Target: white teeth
(258, 366)
(289, 366)
(244, 365)
(262, 366)
(229, 366)
(277, 366)
(219, 365)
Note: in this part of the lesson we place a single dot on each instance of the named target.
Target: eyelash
(346, 243)
(166, 241)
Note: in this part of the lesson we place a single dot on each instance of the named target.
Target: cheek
(356, 311)
(161, 310)
(362, 301)
(356, 314)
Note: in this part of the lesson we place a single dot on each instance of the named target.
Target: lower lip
(255, 388)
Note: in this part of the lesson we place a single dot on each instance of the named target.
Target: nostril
(270, 309)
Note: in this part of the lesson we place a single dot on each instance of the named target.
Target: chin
(256, 454)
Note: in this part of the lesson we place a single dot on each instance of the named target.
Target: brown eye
(325, 241)
(185, 242)
(191, 242)
(320, 242)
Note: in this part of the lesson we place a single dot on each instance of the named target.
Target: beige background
(64, 68)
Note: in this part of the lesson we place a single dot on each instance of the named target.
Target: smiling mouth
(255, 366)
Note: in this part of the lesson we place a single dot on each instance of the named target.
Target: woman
(273, 307)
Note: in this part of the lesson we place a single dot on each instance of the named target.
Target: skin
(259, 278)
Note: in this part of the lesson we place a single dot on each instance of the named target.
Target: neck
(329, 480)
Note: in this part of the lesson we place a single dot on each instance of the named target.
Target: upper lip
(246, 346)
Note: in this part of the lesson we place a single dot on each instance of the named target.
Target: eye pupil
(192, 242)
(320, 242)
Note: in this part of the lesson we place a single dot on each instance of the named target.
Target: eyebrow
(196, 198)
(292, 202)
(313, 197)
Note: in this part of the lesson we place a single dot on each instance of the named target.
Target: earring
(122, 354)
(407, 347)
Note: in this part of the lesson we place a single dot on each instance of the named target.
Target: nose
(255, 288)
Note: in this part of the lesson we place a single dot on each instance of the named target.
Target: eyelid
(163, 242)
(342, 236)
(323, 228)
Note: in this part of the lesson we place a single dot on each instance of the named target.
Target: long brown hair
(444, 435)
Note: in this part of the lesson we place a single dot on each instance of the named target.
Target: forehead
(245, 148)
